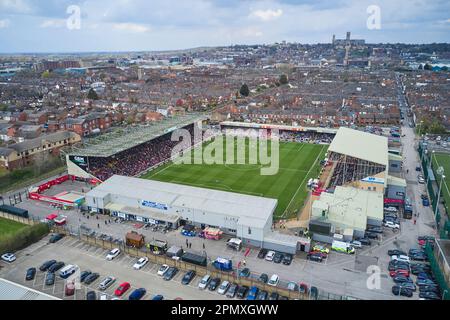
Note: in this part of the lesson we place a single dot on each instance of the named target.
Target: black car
(425, 282)
(409, 285)
(50, 279)
(418, 257)
(425, 238)
(56, 266)
(371, 235)
(365, 241)
(375, 229)
(242, 292)
(31, 272)
(84, 275)
(46, 265)
(188, 276)
(287, 259)
(314, 293)
(274, 296)
(277, 257)
(91, 278)
(56, 237)
(262, 295)
(91, 295)
(231, 292)
(262, 253)
(401, 279)
(396, 252)
(429, 295)
(283, 298)
(170, 273)
(314, 257)
(434, 289)
(214, 284)
(402, 291)
(416, 251)
(245, 273)
(263, 278)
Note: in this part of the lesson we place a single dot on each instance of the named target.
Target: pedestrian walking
(190, 245)
(187, 243)
(407, 171)
(98, 225)
(414, 221)
(106, 222)
(203, 246)
(244, 263)
(87, 217)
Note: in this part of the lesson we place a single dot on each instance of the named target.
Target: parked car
(31, 273)
(401, 291)
(121, 289)
(213, 284)
(263, 278)
(314, 293)
(245, 273)
(365, 241)
(91, 295)
(303, 288)
(69, 288)
(391, 209)
(56, 266)
(399, 272)
(56, 237)
(204, 282)
(140, 263)
(314, 257)
(274, 296)
(223, 287)
(401, 258)
(113, 254)
(8, 257)
(277, 257)
(374, 229)
(392, 225)
(429, 295)
(270, 255)
(84, 275)
(46, 265)
(158, 297)
(171, 272)
(91, 278)
(242, 292)
(106, 283)
(292, 286)
(274, 280)
(402, 279)
(432, 288)
(409, 285)
(162, 270)
(137, 294)
(252, 293)
(232, 290)
(371, 235)
(320, 248)
(50, 278)
(287, 259)
(188, 276)
(262, 295)
(396, 252)
(356, 244)
(262, 253)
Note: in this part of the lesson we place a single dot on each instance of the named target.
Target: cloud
(53, 23)
(266, 15)
(4, 23)
(131, 27)
(15, 6)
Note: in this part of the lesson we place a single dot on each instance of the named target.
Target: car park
(262, 253)
(252, 293)
(140, 263)
(244, 273)
(274, 280)
(171, 272)
(231, 293)
(113, 254)
(91, 295)
(277, 257)
(287, 259)
(55, 238)
(401, 291)
(270, 255)
(106, 283)
(50, 279)
(162, 270)
(213, 284)
(188, 276)
(274, 296)
(8, 257)
(263, 278)
(262, 295)
(31, 273)
(121, 289)
(242, 292)
(91, 278)
(223, 287)
(46, 265)
(137, 294)
(56, 266)
(204, 282)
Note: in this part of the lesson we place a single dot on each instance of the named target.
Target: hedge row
(23, 237)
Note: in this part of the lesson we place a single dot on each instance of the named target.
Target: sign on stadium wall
(373, 180)
(154, 205)
(79, 161)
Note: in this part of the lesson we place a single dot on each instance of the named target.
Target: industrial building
(13, 291)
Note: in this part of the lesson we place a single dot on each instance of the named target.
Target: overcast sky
(139, 25)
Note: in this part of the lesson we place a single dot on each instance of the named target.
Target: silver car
(106, 283)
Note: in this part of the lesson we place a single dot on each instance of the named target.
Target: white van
(67, 271)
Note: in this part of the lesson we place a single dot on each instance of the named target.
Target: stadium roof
(361, 145)
(13, 291)
(122, 139)
(257, 210)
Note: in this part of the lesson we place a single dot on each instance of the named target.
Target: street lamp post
(439, 171)
(444, 293)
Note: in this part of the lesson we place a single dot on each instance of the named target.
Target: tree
(45, 74)
(3, 107)
(245, 91)
(284, 79)
(428, 67)
(92, 95)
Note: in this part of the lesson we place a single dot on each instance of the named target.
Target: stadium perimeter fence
(232, 277)
(439, 276)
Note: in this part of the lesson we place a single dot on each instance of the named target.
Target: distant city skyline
(31, 26)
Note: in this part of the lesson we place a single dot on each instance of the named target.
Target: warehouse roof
(361, 145)
(13, 291)
(256, 210)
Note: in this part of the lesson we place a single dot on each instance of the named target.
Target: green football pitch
(297, 164)
(443, 159)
